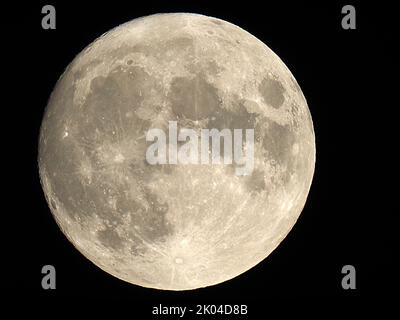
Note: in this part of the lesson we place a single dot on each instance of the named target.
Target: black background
(347, 77)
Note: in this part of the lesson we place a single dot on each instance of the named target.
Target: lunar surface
(174, 226)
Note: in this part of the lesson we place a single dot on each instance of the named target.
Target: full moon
(175, 226)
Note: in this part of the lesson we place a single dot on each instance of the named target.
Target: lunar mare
(174, 227)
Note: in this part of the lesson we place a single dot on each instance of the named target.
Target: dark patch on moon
(110, 238)
(193, 99)
(176, 44)
(255, 182)
(272, 91)
(236, 117)
(209, 67)
(84, 69)
(110, 99)
(278, 142)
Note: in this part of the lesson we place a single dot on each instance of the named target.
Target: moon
(174, 226)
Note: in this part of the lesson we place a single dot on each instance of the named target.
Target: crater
(178, 260)
(53, 204)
